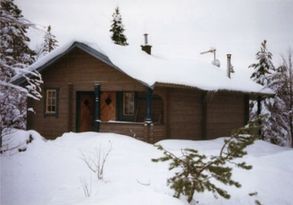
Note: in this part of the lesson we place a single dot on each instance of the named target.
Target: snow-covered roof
(150, 69)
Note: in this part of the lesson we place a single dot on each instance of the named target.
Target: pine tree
(50, 42)
(196, 172)
(264, 66)
(117, 29)
(15, 55)
(261, 75)
(279, 125)
(14, 41)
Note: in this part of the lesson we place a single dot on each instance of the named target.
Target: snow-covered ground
(53, 172)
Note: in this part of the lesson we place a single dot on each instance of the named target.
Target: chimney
(146, 48)
(229, 66)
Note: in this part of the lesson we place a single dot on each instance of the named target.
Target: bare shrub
(96, 161)
(86, 187)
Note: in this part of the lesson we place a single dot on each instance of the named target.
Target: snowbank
(53, 172)
(19, 140)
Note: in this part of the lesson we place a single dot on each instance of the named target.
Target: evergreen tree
(50, 42)
(117, 29)
(15, 55)
(264, 66)
(279, 125)
(261, 75)
(196, 172)
(14, 41)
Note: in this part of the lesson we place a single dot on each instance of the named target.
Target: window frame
(125, 106)
(120, 107)
(56, 104)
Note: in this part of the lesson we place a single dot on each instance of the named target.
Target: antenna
(212, 50)
(215, 62)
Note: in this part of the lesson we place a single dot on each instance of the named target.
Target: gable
(49, 62)
(83, 70)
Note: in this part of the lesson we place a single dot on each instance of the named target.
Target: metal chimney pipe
(145, 39)
(146, 48)
(229, 65)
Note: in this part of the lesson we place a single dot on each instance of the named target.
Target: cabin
(84, 90)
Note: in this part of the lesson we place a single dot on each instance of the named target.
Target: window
(128, 103)
(51, 101)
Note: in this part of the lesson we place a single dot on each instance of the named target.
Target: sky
(177, 28)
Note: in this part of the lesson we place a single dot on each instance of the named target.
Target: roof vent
(215, 61)
(146, 47)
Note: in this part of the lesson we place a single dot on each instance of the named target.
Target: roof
(151, 70)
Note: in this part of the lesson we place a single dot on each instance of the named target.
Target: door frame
(77, 117)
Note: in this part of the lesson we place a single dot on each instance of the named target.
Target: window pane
(128, 103)
(51, 101)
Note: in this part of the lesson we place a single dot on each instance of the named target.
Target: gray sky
(178, 28)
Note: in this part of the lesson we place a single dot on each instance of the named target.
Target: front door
(85, 111)
(108, 106)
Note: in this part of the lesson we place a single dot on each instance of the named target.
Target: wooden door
(86, 111)
(108, 106)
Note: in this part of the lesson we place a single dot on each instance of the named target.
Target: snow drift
(52, 172)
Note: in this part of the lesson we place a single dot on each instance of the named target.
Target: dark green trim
(97, 116)
(149, 97)
(56, 114)
(77, 119)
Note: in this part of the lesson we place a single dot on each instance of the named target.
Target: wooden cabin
(84, 91)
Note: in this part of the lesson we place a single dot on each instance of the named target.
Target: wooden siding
(184, 113)
(77, 71)
(178, 112)
(189, 118)
(135, 130)
(225, 112)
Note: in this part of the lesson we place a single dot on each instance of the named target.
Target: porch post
(148, 126)
(149, 97)
(97, 107)
(246, 109)
(259, 108)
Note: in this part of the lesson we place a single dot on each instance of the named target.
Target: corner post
(204, 110)
(70, 106)
(259, 108)
(246, 109)
(97, 107)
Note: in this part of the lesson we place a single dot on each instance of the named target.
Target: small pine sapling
(196, 172)
(264, 66)
(50, 42)
(117, 29)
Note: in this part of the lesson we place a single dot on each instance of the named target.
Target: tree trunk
(0, 139)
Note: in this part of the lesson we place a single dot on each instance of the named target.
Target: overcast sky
(177, 28)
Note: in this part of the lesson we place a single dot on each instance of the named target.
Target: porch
(139, 114)
(138, 130)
